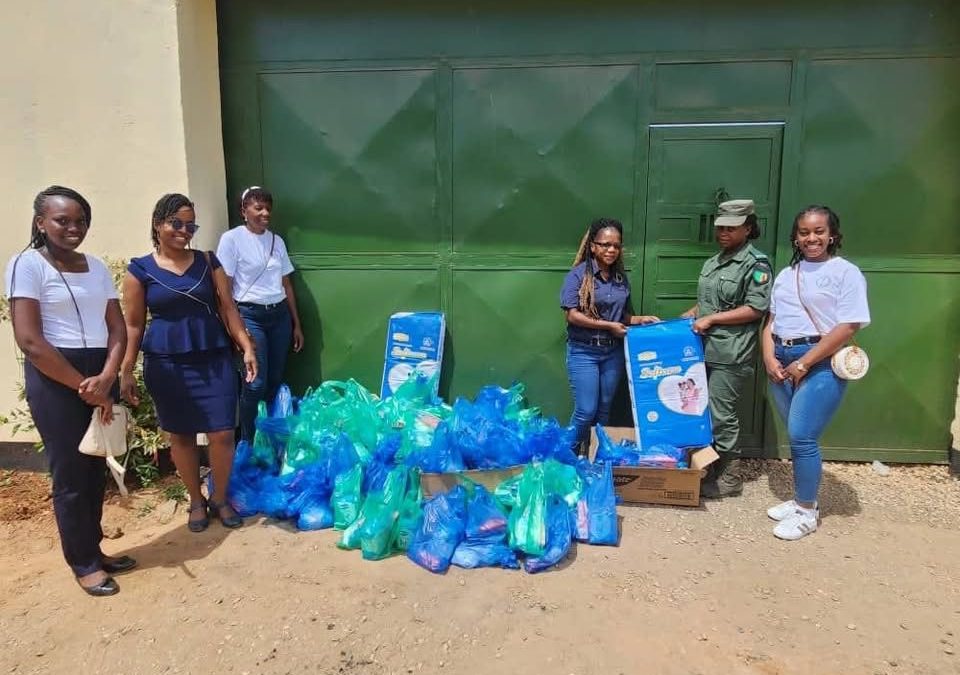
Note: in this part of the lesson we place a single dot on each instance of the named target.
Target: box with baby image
(414, 345)
(668, 385)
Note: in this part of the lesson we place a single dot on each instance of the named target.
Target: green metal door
(450, 156)
(691, 168)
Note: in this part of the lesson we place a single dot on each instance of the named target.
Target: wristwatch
(800, 367)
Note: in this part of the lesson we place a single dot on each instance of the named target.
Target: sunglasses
(608, 245)
(178, 225)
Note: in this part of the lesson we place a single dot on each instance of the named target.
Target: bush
(144, 438)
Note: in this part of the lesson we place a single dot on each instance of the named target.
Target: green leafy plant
(144, 438)
(176, 491)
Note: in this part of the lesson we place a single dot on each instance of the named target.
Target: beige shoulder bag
(848, 363)
(109, 441)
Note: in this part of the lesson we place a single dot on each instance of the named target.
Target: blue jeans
(272, 332)
(806, 410)
(594, 372)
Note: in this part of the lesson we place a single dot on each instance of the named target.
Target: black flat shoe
(119, 565)
(198, 525)
(106, 587)
(216, 511)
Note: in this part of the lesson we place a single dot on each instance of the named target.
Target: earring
(831, 240)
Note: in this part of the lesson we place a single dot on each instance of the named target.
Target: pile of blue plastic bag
(343, 458)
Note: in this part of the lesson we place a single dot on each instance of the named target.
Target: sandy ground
(709, 590)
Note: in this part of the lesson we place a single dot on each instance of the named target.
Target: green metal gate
(451, 158)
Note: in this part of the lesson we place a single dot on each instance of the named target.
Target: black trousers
(79, 480)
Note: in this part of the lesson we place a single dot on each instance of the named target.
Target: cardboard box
(433, 483)
(636, 485)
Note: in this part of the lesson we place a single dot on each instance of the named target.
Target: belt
(257, 305)
(793, 342)
(597, 341)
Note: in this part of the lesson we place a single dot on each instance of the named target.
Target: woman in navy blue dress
(188, 365)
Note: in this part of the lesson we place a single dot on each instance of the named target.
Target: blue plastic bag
(483, 437)
(624, 453)
(276, 495)
(442, 529)
(545, 439)
(558, 537)
(470, 555)
(599, 502)
(243, 492)
(486, 522)
(439, 457)
(315, 515)
(283, 403)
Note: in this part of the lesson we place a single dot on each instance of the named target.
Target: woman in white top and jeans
(259, 267)
(68, 323)
(818, 303)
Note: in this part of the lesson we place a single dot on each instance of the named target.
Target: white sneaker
(799, 525)
(781, 511)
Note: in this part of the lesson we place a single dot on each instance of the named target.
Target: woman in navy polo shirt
(596, 300)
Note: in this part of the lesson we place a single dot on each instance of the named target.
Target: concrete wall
(119, 100)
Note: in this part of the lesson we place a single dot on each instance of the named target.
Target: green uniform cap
(733, 212)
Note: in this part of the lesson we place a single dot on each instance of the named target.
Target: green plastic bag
(411, 512)
(344, 406)
(526, 496)
(562, 480)
(528, 527)
(379, 530)
(508, 492)
(374, 529)
(347, 497)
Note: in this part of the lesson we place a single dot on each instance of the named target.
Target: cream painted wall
(119, 100)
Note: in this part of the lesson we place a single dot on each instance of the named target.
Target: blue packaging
(414, 345)
(668, 385)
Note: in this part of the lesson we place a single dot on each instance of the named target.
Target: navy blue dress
(188, 365)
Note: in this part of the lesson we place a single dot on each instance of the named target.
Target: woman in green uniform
(733, 295)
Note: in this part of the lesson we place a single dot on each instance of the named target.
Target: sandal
(200, 524)
(215, 510)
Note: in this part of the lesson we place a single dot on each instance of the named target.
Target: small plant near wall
(144, 438)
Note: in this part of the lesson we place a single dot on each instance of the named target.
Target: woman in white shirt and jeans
(818, 303)
(67, 321)
(259, 267)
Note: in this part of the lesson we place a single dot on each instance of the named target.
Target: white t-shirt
(834, 291)
(37, 279)
(257, 275)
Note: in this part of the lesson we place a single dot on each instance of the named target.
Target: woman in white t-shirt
(256, 260)
(67, 321)
(818, 303)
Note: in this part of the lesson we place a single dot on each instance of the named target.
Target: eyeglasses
(608, 245)
(178, 225)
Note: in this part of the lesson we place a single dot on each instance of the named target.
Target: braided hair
(37, 238)
(255, 193)
(586, 302)
(167, 206)
(754, 224)
(833, 223)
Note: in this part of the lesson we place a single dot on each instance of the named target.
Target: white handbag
(848, 363)
(109, 441)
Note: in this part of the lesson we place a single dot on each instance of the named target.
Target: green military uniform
(728, 281)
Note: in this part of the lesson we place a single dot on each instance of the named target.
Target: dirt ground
(709, 590)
